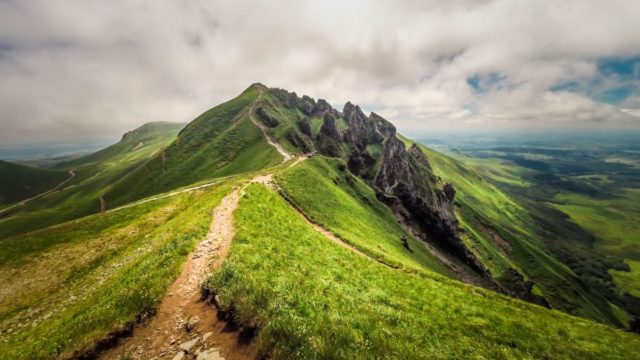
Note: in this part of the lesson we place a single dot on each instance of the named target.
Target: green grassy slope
(147, 135)
(220, 142)
(94, 173)
(19, 182)
(355, 215)
(312, 299)
(486, 213)
(67, 286)
(614, 223)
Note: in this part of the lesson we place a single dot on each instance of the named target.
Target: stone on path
(211, 354)
(187, 346)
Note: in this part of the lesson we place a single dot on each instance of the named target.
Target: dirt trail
(72, 174)
(166, 335)
(103, 204)
(263, 128)
(185, 326)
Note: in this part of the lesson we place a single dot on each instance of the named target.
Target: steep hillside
(321, 183)
(400, 177)
(479, 232)
(307, 297)
(19, 182)
(322, 233)
(222, 141)
(150, 136)
(511, 243)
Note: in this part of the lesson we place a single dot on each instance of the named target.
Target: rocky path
(184, 327)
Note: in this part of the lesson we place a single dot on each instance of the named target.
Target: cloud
(73, 69)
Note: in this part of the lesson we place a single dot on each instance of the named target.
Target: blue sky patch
(482, 83)
(617, 79)
(623, 67)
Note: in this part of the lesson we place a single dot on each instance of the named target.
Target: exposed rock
(190, 323)
(187, 346)
(402, 178)
(361, 131)
(329, 127)
(179, 356)
(449, 191)
(518, 287)
(385, 128)
(305, 126)
(297, 141)
(323, 105)
(267, 119)
(307, 105)
(362, 163)
(328, 138)
(211, 354)
(416, 152)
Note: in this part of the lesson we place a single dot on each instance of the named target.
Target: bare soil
(183, 316)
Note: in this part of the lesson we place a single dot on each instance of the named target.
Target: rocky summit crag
(401, 177)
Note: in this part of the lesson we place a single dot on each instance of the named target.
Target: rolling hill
(19, 182)
(93, 174)
(325, 233)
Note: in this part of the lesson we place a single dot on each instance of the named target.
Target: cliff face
(402, 177)
(404, 180)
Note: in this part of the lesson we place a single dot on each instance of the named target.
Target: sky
(82, 70)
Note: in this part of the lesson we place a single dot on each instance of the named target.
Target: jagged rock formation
(402, 177)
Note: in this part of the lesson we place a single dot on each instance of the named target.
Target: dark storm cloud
(87, 68)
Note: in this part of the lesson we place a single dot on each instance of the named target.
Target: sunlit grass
(66, 287)
(312, 299)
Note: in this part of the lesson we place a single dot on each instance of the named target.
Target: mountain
(148, 136)
(93, 174)
(275, 226)
(222, 141)
(19, 182)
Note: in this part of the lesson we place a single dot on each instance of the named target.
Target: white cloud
(80, 68)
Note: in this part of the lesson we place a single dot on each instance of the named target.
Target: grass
(356, 215)
(628, 281)
(312, 299)
(613, 221)
(484, 208)
(67, 286)
(94, 173)
(20, 182)
(222, 141)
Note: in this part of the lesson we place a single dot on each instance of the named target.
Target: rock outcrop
(267, 119)
(401, 177)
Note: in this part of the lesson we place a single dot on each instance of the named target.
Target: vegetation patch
(312, 299)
